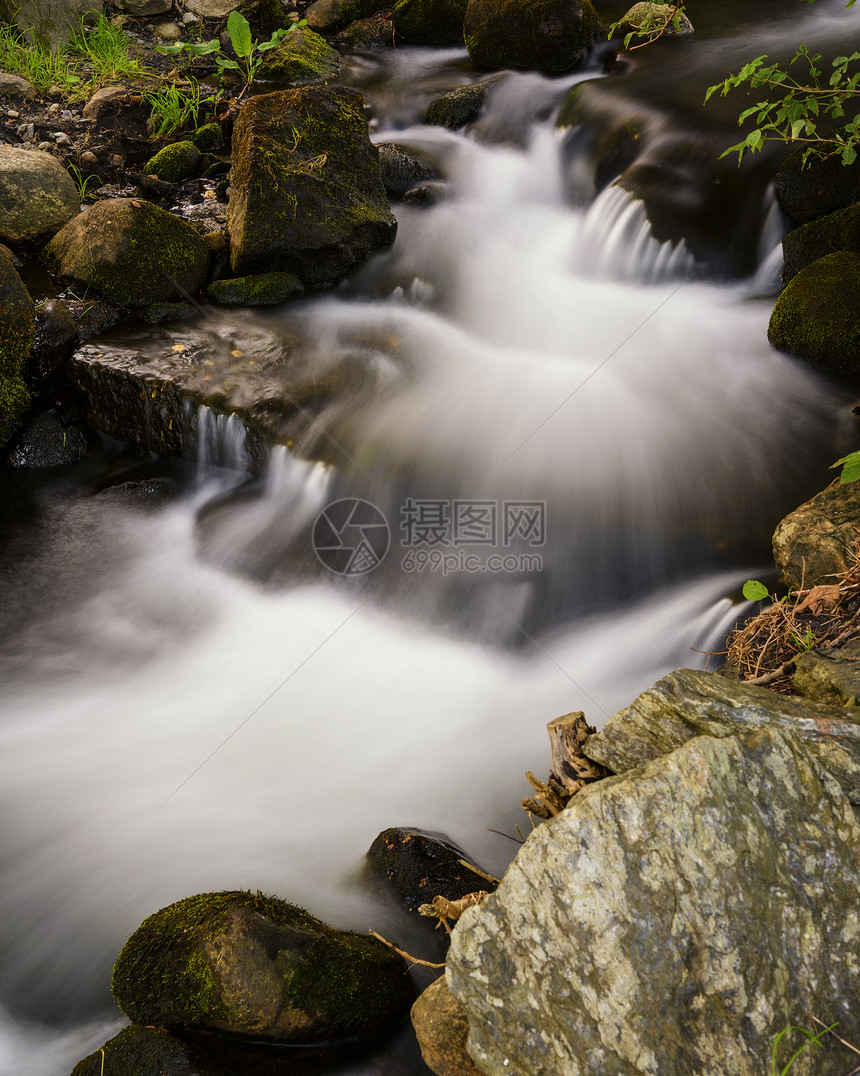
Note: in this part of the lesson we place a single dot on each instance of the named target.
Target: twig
(665, 27)
(499, 833)
(853, 1049)
(404, 954)
(768, 678)
(479, 872)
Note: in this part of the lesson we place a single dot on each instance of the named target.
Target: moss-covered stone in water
(657, 19)
(837, 231)
(326, 15)
(544, 35)
(14, 401)
(17, 320)
(175, 162)
(817, 316)
(138, 1051)
(249, 964)
(430, 22)
(262, 289)
(301, 56)
(209, 138)
(456, 108)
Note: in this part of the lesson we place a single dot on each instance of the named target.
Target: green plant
(800, 104)
(105, 48)
(754, 591)
(171, 109)
(653, 26)
(82, 184)
(811, 1039)
(42, 67)
(850, 465)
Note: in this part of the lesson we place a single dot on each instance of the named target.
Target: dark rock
(420, 866)
(15, 86)
(426, 194)
(264, 289)
(50, 440)
(402, 168)
(175, 162)
(306, 193)
(247, 964)
(37, 195)
(47, 22)
(326, 15)
(829, 676)
(456, 108)
(300, 56)
(805, 245)
(209, 139)
(374, 32)
(139, 1051)
(647, 21)
(130, 252)
(821, 187)
(144, 8)
(92, 318)
(56, 336)
(441, 1028)
(817, 315)
(144, 491)
(117, 128)
(543, 35)
(813, 544)
(158, 312)
(17, 331)
(429, 22)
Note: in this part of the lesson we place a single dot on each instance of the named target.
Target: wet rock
(672, 921)
(130, 252)
(56, 336)
(441, 1028)
(821, 187)
(374, 32)
(402, 168)
(689, 703)
(139, 1051)
(805, 245)
(158, 312)
(306, 193)
(144, 491)
(301, 56)
(175, 162)
(829, 676)
(92, 318)
(264, 289)
(50, 440)
(144, 8)
(420, 866)
(215, 9)
(209, 138)
(47, 22)
(817, 315)
(647, 20)
(37, 195)
(543, 35)
(814, 542)
(15, 86)
(246, 964)
(117, 127)
(327, 15)
(456, 108)
(426, 195)
(430, 22)
(17, 332)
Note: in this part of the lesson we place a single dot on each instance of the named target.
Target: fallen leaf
(819, 599)
(178, 347)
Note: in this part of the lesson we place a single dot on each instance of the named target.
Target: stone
(168, 31)
(689, 703)
(37, 195)
(263, 289)
(306, 194)
(371, 33)
(829, 676)
(17, 330)
(456, 108)
(49, 23)
(429, 22)
(209, 138)
(426, 195)
(673, 921)
(50, 440)
(118, 125)
(326, 15)
(15, 86)
(214, 9)
(806, 244)
(543, 35)
(813, 544)
(402, 168)
(247, 964)
(300, 56)
(441, 1028)
(130, 252)
(173, 163)
(139, 1051)
(817, 315)
(142, 9)
(419, 866)
(647, 20)
(56, 336)
(807, 192)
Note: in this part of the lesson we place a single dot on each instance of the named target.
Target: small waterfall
(221, 445)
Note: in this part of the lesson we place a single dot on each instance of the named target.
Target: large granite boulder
(806, 244)
(430, 22)
(817, 315)
(17, 332)
(829, 676)
(813, 544)
(441, 1028)
(130, 252)
(37, 195)
(673, 921)
(689, 703)
(306, 193)
(247, 964)
(543, 35)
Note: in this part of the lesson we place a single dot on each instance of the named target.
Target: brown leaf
(820, 599)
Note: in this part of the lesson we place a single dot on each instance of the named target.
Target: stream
(193, 700)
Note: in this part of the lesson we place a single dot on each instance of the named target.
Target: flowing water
(192, 701)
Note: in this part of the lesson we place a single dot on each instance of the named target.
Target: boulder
(419, 866)
(813, 544)
(456, 108)
(306, 193)
(647, 21)
(247, 964)
(141, 9)
(17, 331)
(52, 439)
(37, 195)
(327, 15)
(371, 33)
(544, 35)
(402, 168)
(300, 56)
(807, 192)
(441, 1028)
(806, 244)
(829, 676)
(47, 22)
(15, 86)
(130, 252)
(264, 289)
(673, 921)
(56, 336)
(817, 315)
(689, 703)
(429, 22)
(173, 163)
(214, 9)
(139, 1051)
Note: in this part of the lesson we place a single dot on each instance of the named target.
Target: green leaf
(171, 50)
(754, 591)
(223, 62)
(849, 156)
(850, 465)
(240, 34)
(205, 48)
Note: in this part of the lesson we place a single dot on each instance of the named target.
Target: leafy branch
(653, 26)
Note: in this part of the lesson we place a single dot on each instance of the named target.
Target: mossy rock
(175, 162)
(130, 252)
(14, 401)
(541, 35)
(300, 56)
(17, 320)
(647, 21)
(37, 195)
(139, 1051)
(456, 108)
(806, 244)
(817, 315)
(327, 15)
(807, 192)
(374, 32)
(813, 544)
(209, 138)
(262, 289)
(248, 964)
(306, 193)
(430, 22)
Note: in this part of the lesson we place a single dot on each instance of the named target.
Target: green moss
(138, 1051)
(804, 245)
(175, 162)
(17, 320)
(301, 56)
(14, 401)
(209, 138)
(262, 289)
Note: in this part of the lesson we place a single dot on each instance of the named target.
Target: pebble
(62, 139)
(66, 115)
(189, 17)
(45, 147)
(12, 114)
(54, 107)
(27, 131)
(115, 161)
(88, 157)
(168, 31)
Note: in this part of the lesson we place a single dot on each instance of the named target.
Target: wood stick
(404, 954)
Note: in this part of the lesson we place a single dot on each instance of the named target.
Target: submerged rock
(429, 22)
(543, 35)
(37, 195)
(403, 168)
(813, 544)
(246, 964)
(263, 289)
(130, 252)
(441, 1028)
(456, 108)
(306, 193)
(672, 921)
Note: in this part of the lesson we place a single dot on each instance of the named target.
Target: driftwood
(571, 770)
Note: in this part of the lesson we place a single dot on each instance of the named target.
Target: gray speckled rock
(829, 676)
(672, 921)
(687, 703)
(37, 195)
(813, 543)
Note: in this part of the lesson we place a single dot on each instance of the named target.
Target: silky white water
(192, 702)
